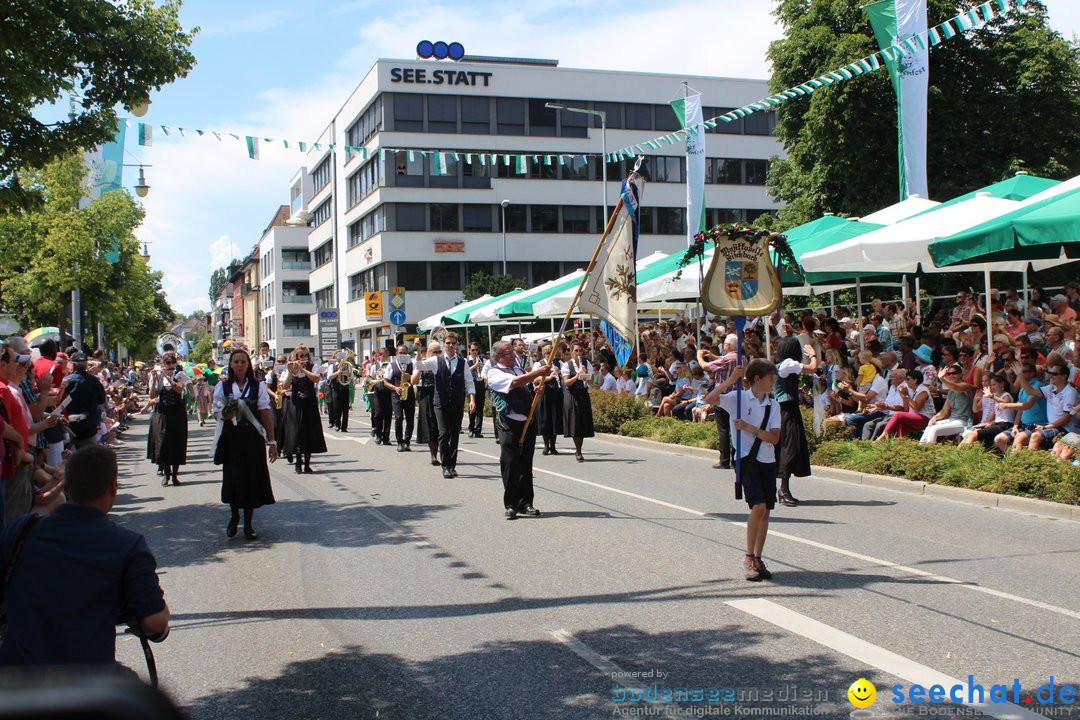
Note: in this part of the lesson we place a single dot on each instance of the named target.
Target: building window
(515, 218)
(646, 220)
(666, 120)
(575, 219)
(295, 322)
(477, 218)
(366, 125)
(361, 183)
(324, 298)
(471, 268)
(410, 216)
(542, 272)
(723, 171)
(760, 123)
(638, 116)
(735, 127)
(356, 286)
(670, 221)
(412, 275)
(321, 214)
(446, 276)
(545, 218)
(476, 115)
(519, 270)
(541, 119)
(408, 171)
(320, 176)
(756, 171)
(442, 113)
(450, 178)
(476, 174)
(323, 254)
(510, 113)
(614, 120)
(574, 124)
(444, 218)
(575, 168)
(408, 112)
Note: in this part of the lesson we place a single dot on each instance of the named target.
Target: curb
(1030, 506)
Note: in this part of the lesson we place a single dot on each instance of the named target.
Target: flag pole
(570, 311)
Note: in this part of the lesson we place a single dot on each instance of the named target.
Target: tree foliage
(218, 280)
(495, 285)
(52, 249)
(110, 53)
(1002, 99)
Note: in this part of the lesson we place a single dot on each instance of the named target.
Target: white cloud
(222, 251)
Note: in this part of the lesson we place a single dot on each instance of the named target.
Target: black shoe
(554, 451)
(230, 529)
(249, 533)
(479, 435)
(786, 499)
(530, 510)
(510, 513)
(579, 457)
(446, 473)
(401, 447)
(762, 570)
(165, 481)
(453, 472)
(435, 461)
(307, 469)
(408, 447)
(299, 468)
(378, 441)
(288, 459)
(175, 480)
(547, 451)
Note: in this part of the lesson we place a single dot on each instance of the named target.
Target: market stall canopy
(559, 303)
(461, 315)
(434, 321)
(1041, 231)
(900, 211)
(521, 305)
(1019, 187)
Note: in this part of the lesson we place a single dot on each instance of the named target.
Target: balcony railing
(297, 298)
(295, 264)
(296, 332)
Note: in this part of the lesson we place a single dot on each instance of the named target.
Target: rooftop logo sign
(440, 50)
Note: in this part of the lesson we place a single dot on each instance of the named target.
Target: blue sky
(280, 69)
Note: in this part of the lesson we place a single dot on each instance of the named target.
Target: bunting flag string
(959, 24)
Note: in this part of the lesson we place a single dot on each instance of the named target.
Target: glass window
(475, 174)
(541, 119)
(574, 124)
(477, 218)
(760, 123)
(670, 221)
(724, 171)
(726, 216)
(756, 171)
(510, 113)
(518, 270)
(446, 276)
(540, 171)
(409, 171)
(410, 216)
(638, 116)
(450, 178)
(324, 253)
(356, 286)
(408, 112)
(735, 127)
(545, 218)
(575, 218)
(444, 218)
(614, 112)
(324, 298)
(666, 120)
(515, 218)
(476, 115)
(575, 167)
(320, 176)
(412, 275)
(646, 218)
(471, 268)
(442, 113)
(321, 214)
(542, 272)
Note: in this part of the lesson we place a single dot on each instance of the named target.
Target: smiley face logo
(862, 693)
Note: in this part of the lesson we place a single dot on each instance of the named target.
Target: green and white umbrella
(520, 306)
(458, 315)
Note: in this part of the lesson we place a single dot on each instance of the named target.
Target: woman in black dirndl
(167, 442)
(577, 406)
(793, 451)
(241, 450)
(427, 426)
(550, 414)
(303, 424)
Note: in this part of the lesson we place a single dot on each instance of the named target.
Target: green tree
(1002, 98)
(218, 280)
(482, 283)
(110, 53)
(51, 249)
(203, 350)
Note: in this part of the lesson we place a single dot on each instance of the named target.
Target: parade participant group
(894, 373)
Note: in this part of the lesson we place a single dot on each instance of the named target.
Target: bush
(610, 411)
(673, 431)
(1027, 473)
(832, 432)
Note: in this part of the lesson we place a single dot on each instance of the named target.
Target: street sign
(373, 309)
(329, 332)
(398, 316)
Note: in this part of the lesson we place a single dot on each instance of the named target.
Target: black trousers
(381, 413)
(404, 415)
(723, 429)
(449, 419)
(339, 405)
(329, 390)
(476, 419)
(516, 462)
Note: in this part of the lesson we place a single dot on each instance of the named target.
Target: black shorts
(758, 481)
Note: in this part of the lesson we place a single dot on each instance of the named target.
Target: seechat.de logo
(440, 50)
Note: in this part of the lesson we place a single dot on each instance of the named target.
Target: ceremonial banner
(688, 110)
(741, 279)
(611, 290)
(900, 26)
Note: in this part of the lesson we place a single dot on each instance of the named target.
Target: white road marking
(796, 539)
(873, 655)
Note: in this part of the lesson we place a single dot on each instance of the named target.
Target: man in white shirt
(607, 380)
(511, 397)
(1061, 401)
(476, 365)
(453, 383)
(521, 358)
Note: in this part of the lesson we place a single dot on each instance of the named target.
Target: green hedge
(1027, 473)
(611, 411)
(672, 431)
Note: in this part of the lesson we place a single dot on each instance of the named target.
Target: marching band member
(577, 406)
(476, 366)
(168, 426)
(379, 396)
(338, 383)
(303, 426)
(427, 426)
(550, 413)
(402, 397)
(452, 385)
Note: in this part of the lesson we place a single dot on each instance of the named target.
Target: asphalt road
(379, 589)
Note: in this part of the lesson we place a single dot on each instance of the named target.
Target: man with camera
(74, 574)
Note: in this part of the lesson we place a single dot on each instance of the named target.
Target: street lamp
(505, 204)
(603, 140)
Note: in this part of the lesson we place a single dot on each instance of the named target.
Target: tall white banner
(914, 72)
(688, 110)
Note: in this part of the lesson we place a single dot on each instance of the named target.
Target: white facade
(390, 221)
(286, 303)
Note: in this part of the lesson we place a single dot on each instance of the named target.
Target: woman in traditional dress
(303, 424)
(550, 414)
(427, 426)
(245, 478)
(793, 449)
(577, 406)
(167, 445)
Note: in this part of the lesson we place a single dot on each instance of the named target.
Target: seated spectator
(682, 391)
(918, 407)
(956, 414)
(1032, 409)
(606, 380)
(883, 409)
(698, 389)
(1061, 402)
(997, 414)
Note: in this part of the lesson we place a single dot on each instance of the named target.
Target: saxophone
(405, 385)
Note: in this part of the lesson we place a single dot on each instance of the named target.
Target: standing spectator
(895, 321)
(49, 376)
(18, 468)
(721, 366)
(77, 573)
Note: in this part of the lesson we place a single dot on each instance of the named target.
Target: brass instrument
(405, 387)
(373, 381)
(345, 371)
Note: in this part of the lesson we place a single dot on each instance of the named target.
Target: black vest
(517, 400)
(450, 387)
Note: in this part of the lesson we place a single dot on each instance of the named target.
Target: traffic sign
(397, 317)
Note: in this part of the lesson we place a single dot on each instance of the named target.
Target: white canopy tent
(558, 304)
(490, 312)
(434, 321)
(900, 211)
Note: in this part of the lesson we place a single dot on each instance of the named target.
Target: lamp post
(505, 204)
(603, 140)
